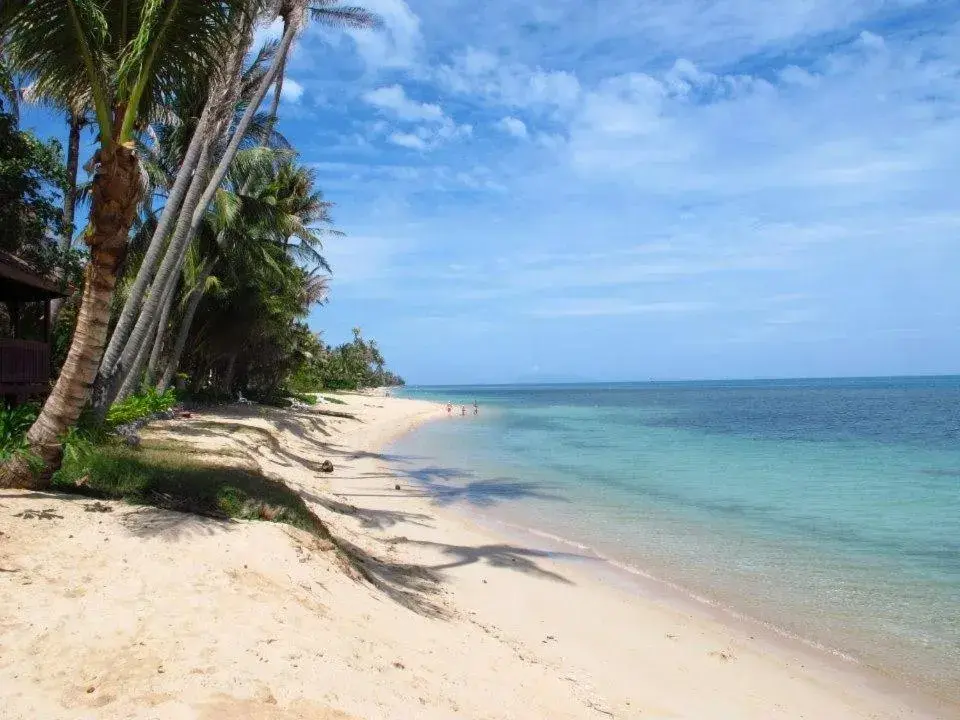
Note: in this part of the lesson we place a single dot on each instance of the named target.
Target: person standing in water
(449, 408)
(463, 410)
(476, 409)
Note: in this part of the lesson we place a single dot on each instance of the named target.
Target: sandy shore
(143, 613)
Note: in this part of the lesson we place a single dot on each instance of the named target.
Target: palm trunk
(189, 224)
(125, 379)
(130, 382)
(161, 334)
(116, 194)
(191, 164)
(196, 295)
(69, 194)
(226, 384)
(275, 105)
(109, 383)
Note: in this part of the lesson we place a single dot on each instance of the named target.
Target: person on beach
(476, 409)
(449, 408)
(463, 410)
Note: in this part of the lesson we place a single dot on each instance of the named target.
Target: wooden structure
(24, 364)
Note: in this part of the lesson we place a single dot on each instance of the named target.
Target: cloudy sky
(641, 189)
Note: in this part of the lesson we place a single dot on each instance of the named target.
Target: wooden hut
(25, 367)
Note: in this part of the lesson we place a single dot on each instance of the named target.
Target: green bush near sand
(169, 476)
(140, 406)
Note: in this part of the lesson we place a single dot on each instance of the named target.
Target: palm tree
(126, 55)
(129, 337)
(269, 200)
(77, 120)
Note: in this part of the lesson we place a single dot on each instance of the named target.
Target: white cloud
(397, 44)
(435, 126)
(513, 126)
(292, 90)
(408, 140)
(478, 72)
(871, 41)
(394, 99)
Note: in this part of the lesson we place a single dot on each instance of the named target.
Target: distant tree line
(351, 366)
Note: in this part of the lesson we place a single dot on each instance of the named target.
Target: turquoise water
(829, 509)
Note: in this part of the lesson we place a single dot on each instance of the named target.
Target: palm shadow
(415, 587)
(368, 517)
(445, 486)
(497, 555)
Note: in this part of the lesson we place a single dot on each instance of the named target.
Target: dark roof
(19, 282)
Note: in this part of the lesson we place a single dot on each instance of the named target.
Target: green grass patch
(175, 478)
(334, 400)
(140, 406)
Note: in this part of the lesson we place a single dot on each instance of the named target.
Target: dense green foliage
(14, 423)
(31, 177)
(225, 314)
(350, 366)
(137, 407)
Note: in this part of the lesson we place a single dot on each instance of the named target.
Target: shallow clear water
(827, 508)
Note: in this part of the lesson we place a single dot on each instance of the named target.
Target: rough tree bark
(128, 315)
(194, 207)
(116, 193)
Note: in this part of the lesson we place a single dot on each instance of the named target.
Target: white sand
(141, 613)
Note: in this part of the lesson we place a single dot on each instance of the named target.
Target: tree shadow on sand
(446, 486)
(415, 587)
(368, 517)
(495, 555)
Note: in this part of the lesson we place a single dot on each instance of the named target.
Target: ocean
(828, 510)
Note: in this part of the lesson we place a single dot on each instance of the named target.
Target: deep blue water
(827, 508)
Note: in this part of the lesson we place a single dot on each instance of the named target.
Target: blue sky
(640, 189)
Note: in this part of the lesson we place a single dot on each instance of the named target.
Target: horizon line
(921, 376)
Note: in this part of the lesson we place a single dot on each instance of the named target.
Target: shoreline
(647, 586)
(143, 613)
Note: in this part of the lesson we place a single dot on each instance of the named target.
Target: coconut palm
(170, 139)
(268, 204)
(127, 56)
(129, 336)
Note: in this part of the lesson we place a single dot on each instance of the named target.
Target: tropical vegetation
(194, 254)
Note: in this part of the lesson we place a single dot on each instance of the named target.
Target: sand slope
(143, 613)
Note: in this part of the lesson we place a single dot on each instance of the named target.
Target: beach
(411, 610)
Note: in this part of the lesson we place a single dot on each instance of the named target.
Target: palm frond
(327, 12)
(61, 45)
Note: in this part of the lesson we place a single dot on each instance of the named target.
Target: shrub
(14, 423)
(140, 406)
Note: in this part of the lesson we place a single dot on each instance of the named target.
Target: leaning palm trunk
(193, 302)
(192, 163)
(128, 381)
(154, 360)
(110, 384)
(116, 193)
(193, 212)
(129, 384)
(275, 105)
